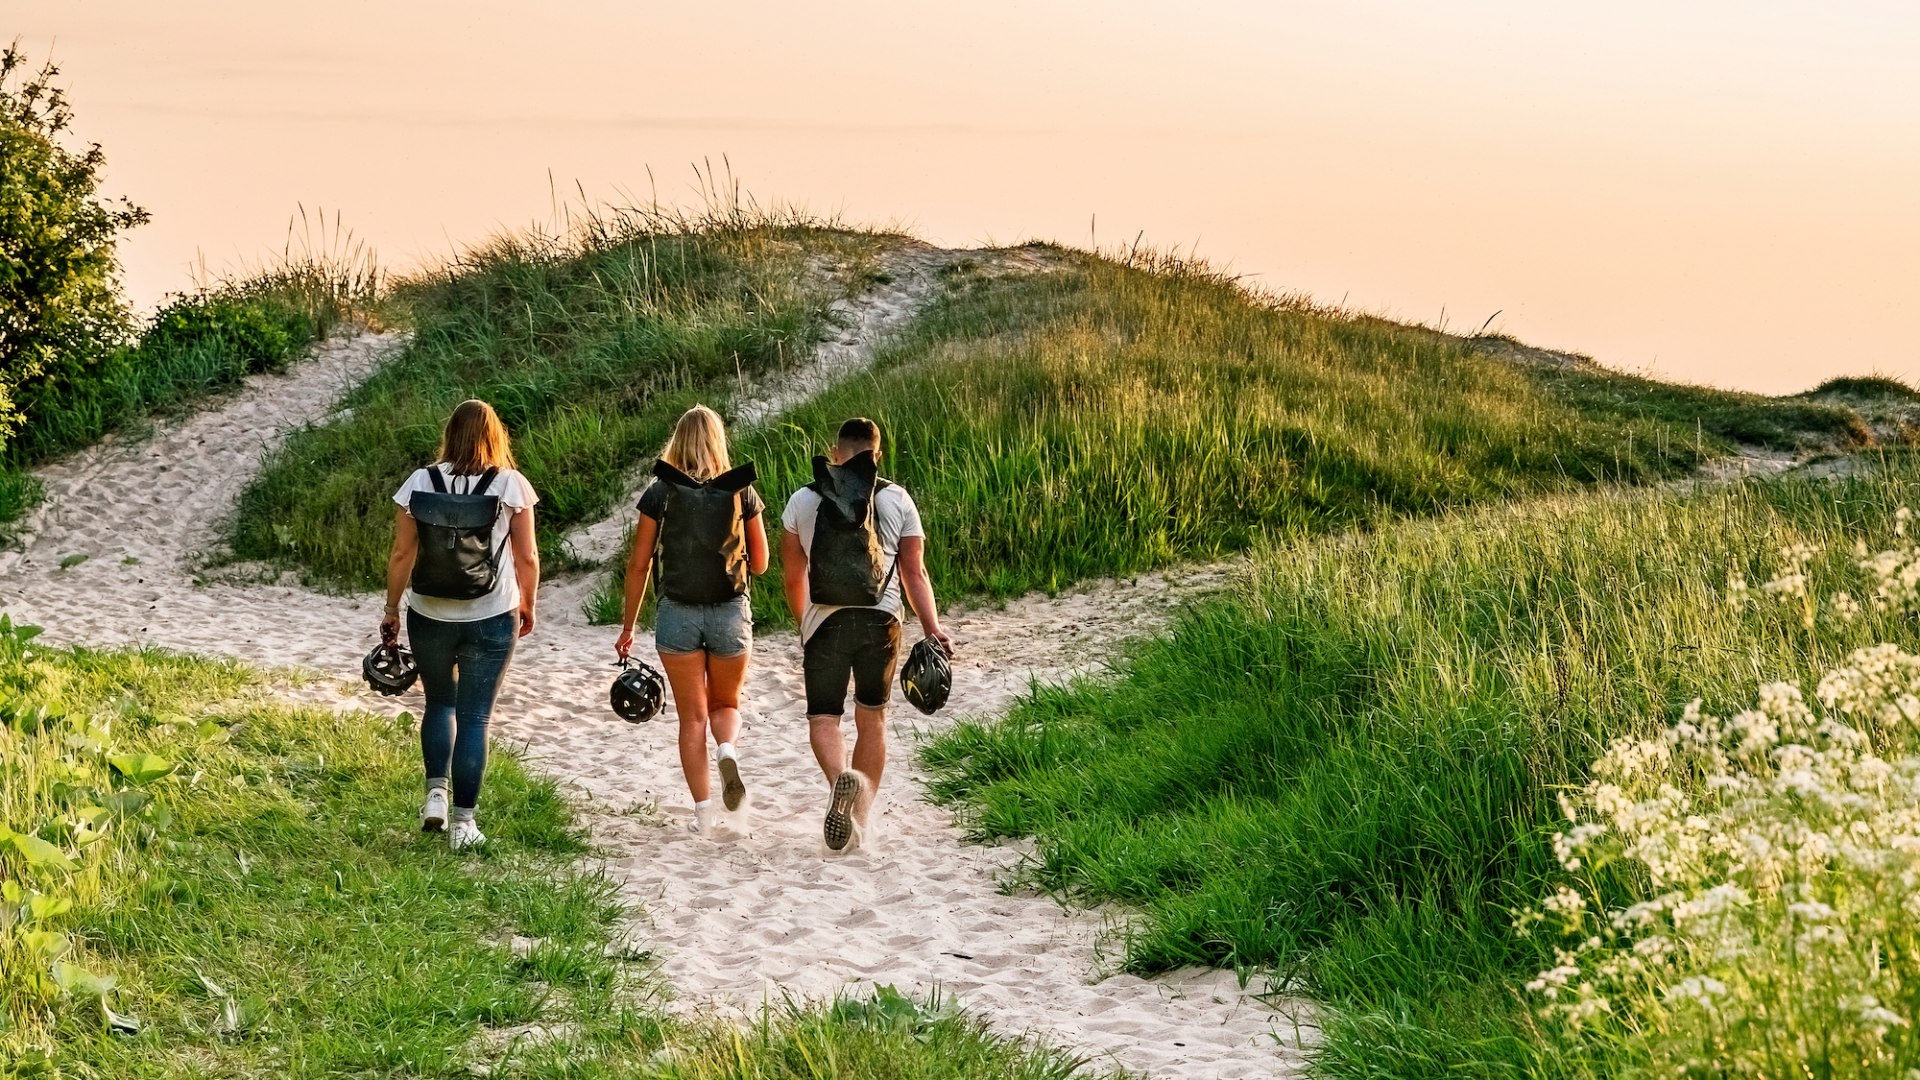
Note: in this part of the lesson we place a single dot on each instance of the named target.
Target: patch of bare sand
(739, 921)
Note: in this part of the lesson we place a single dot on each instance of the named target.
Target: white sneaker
(701, 823)
(733, 791)
(433, 816)
(462, 835)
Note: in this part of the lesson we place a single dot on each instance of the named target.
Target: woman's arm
(526, 565)
(913, 578)
(756, 545)
(406, 545)
(638, 565)
(793, 573)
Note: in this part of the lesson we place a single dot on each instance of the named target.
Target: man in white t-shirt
(855, 642)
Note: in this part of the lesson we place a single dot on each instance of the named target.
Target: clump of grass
(1120, 415)
(1869, 387)
(1347, 771)
(589, 341)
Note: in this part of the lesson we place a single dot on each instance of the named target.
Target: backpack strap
(486, 481)
(433, 477)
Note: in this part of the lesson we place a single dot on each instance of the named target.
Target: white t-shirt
(894, 517)
(515, 495)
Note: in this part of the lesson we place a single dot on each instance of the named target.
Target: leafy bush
(60, 309)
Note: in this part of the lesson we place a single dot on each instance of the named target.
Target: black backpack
(702, 553)
(457, 559)
(846, 563)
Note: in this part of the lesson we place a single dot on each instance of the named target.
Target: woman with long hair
(701, 535)
(465, 565)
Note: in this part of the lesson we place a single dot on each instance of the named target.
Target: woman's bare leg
(687, 674)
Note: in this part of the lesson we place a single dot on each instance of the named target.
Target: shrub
(60, 309)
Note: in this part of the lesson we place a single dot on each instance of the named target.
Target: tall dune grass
(1120, 415)
(588, 340)
(1347, 770)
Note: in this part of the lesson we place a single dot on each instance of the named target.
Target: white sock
(702, 805)
(461, 814)
(726, 750)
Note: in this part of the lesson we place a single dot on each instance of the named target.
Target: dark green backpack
(846, 563)
(701, 556)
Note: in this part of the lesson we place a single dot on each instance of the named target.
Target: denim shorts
(723, 629)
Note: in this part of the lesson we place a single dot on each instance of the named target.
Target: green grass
(1346, 770)
(254, 887)
(589, 344)
(1114, 417)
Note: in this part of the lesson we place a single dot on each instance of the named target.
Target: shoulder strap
(433, 477)
(486, 481)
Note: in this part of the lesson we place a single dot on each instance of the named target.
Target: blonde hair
(698, 445)
(475, 440)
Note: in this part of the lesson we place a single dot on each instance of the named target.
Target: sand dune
(738, 921)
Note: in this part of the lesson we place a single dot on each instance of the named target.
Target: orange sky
(1724, 194)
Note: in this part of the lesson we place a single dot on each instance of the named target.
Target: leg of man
(877, 655)
(687, 674)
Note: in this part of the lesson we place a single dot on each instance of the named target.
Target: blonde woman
(468, 600)
(700, 534)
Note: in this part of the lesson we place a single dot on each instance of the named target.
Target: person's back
(853, 550)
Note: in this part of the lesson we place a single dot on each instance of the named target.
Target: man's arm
(793, 573)
(913, 578)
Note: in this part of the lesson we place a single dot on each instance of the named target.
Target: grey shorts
(724, 629)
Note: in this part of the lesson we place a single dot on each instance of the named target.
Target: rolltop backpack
(846, 566)
(702, 554)
(457, 559)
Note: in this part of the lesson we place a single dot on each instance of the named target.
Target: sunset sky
(1718, 192)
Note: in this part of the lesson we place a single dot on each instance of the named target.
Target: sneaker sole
(433, 824)
(732, 791)
(839, 825)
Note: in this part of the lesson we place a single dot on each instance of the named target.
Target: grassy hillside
(1348, 770)
(199, 882)
(589, 345)
(1113, 417)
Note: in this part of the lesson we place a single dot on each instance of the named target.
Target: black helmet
(638, 692)
(926, 678)
(389, 668)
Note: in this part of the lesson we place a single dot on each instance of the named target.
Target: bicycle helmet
(389, 669)
(638, 692)
(926, 678)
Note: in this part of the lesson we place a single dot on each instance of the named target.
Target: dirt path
(738, 921)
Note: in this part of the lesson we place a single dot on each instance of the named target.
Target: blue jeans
(461, 664)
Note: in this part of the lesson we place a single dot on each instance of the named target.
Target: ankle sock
(463, 813)
(702, 805)
(726, 750)
(436, 783)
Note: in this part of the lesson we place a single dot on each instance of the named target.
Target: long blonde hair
(475, 440)
(698, 445)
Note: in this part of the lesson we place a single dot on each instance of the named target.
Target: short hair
(858, 434)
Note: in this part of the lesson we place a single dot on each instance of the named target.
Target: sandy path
(738, 921)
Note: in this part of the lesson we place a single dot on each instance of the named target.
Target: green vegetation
(198, 881)
(60, 304)
(589, 344)
(1347, 770)
(1161, 413)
